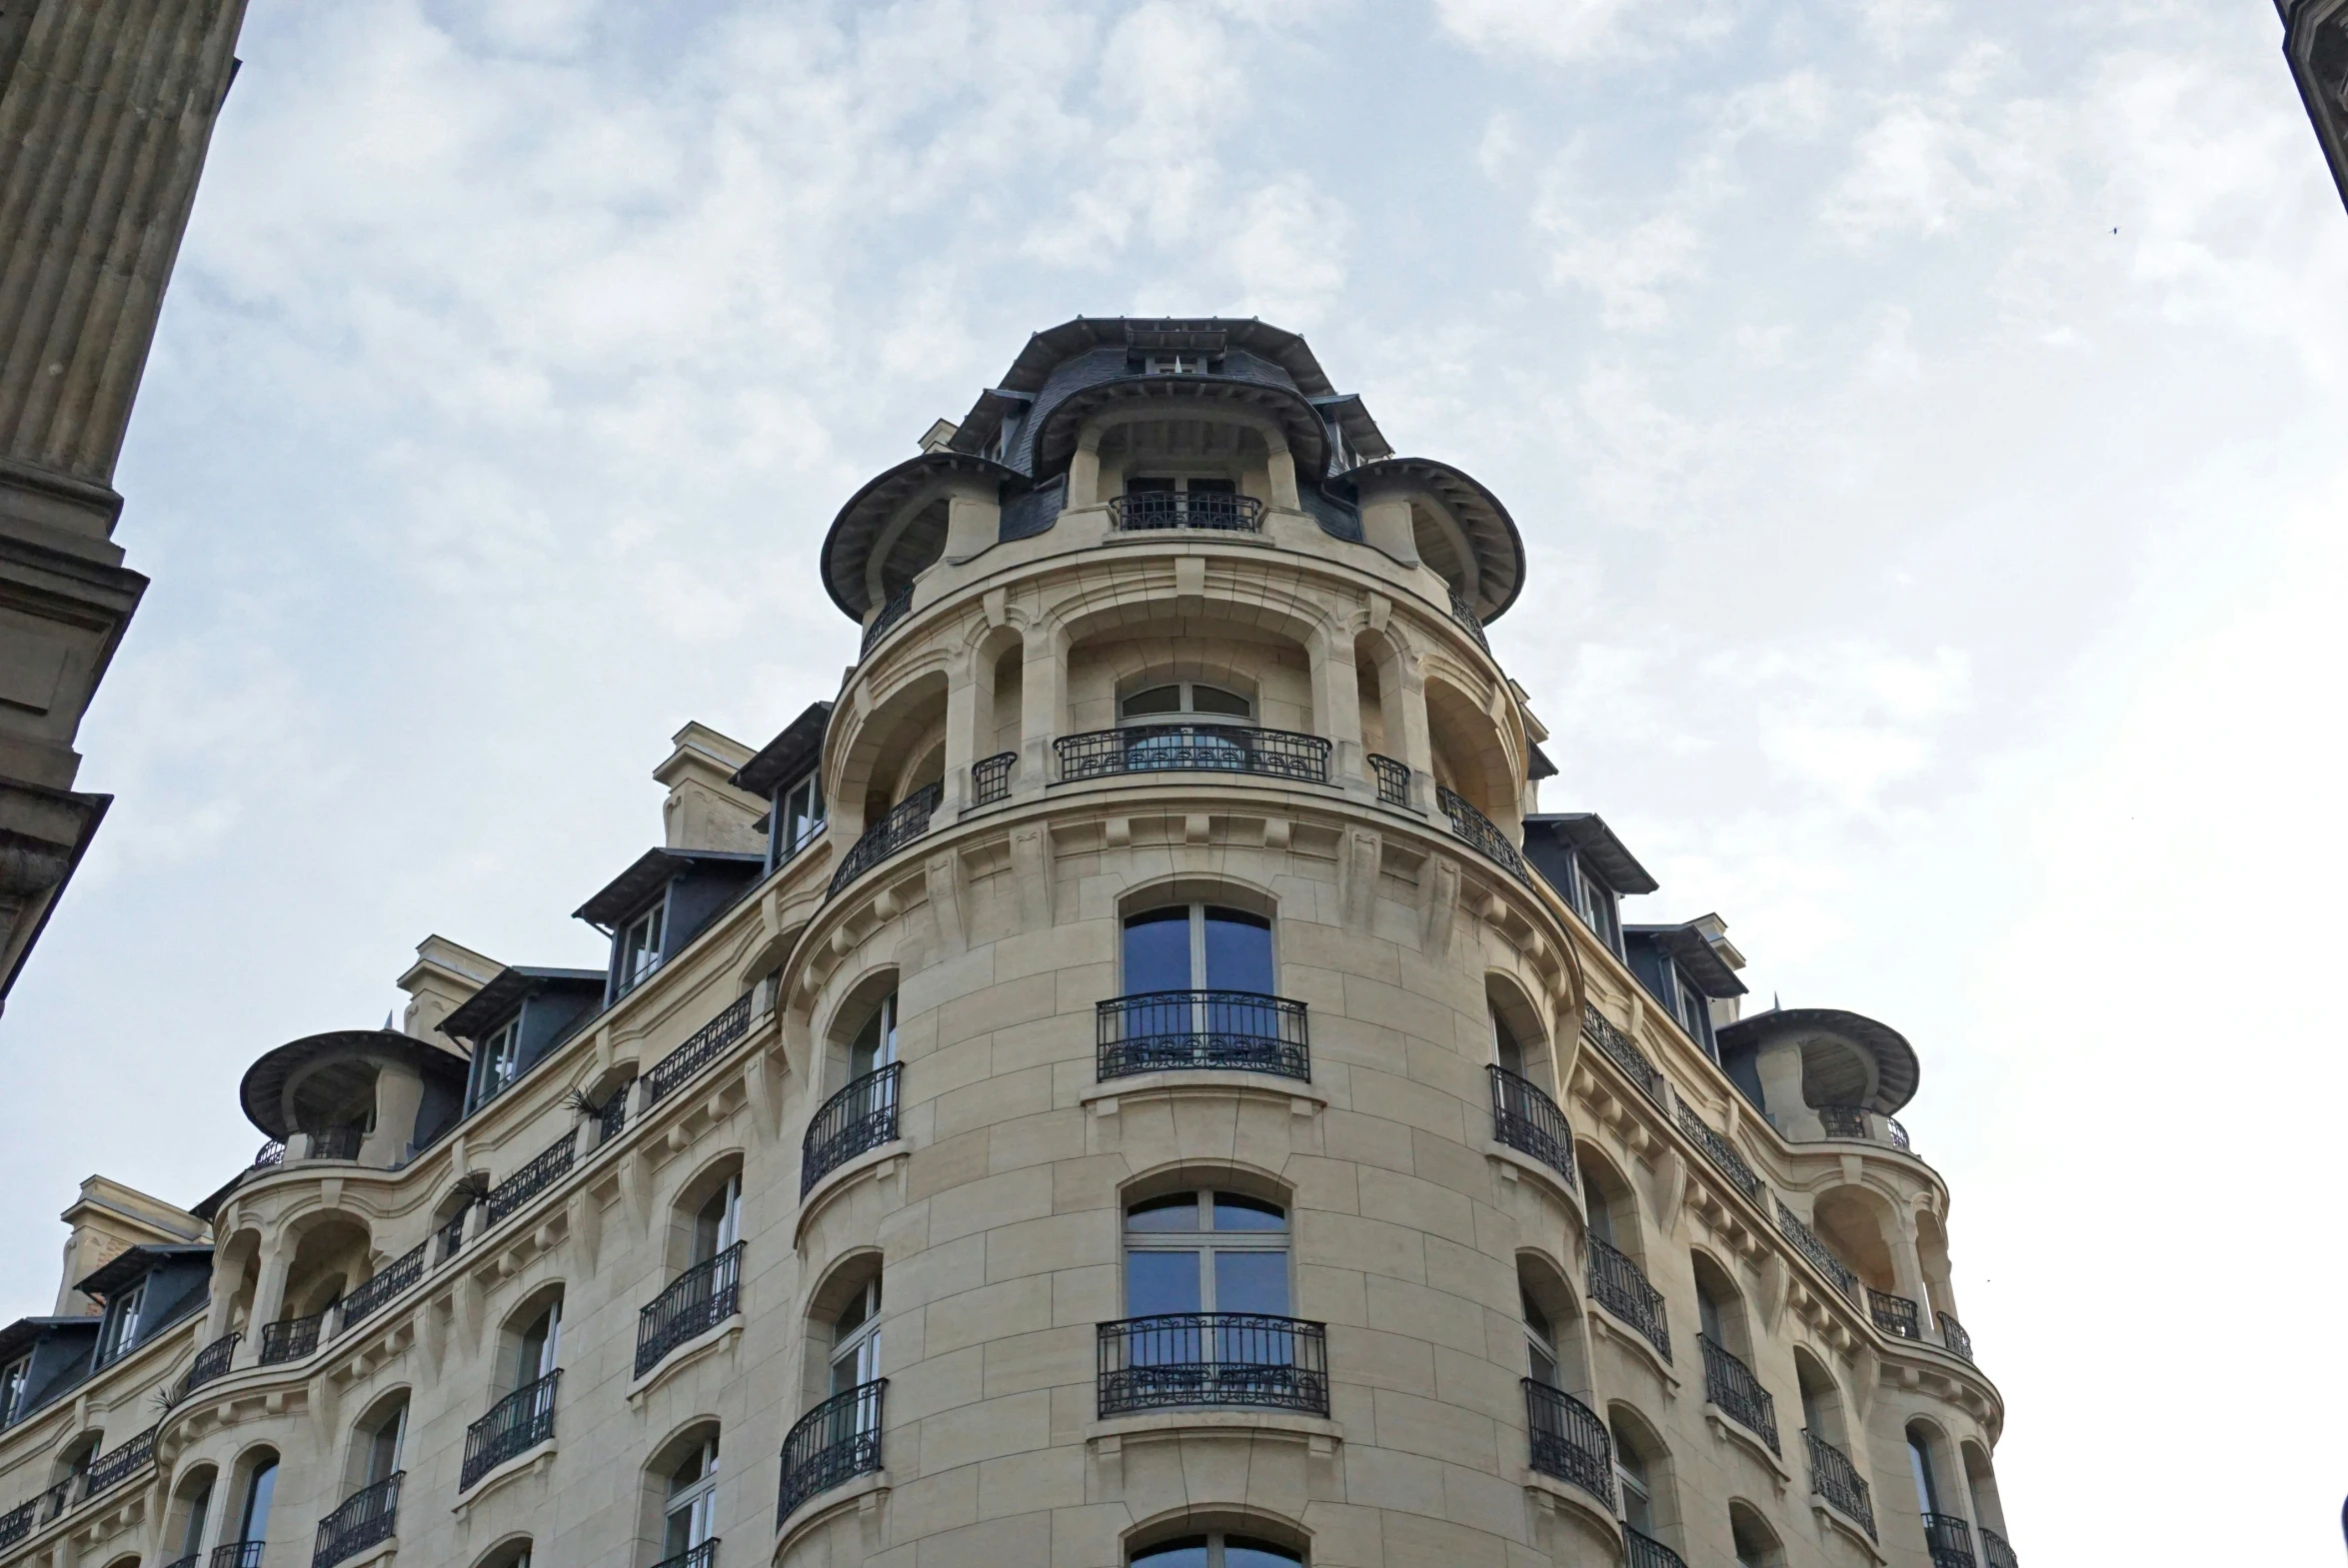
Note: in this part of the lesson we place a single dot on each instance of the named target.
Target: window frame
(1186, 710)
(858, 1345)
(1197, 909)
(1203, 1242)
(117, 1336)
(1217, 1543)
(786, 803)
(653, 920)
(696, 1501)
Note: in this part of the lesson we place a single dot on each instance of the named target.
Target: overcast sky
(1924, 419)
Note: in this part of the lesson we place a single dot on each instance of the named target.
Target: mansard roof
(1896, 1070)
(344, 1054)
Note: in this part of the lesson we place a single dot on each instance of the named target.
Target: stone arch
(679, 1446)
(1470, 756)
(505, 1552)
(849, 1011)
(1639, 1448)
(1752, 1535)
(690, 1195)
(1719, 1291)
(1188, 1518)
(331, 1251)
(1932, 1258)
(1858, 1224)
(1611, 1200)
(877, 752)
(1546, 1285)
(1981, 1487)
(384, 1405)
(1826, 1408)
(1382, 680)
(1515, 1018)
(196, 1486)
(837, 1286)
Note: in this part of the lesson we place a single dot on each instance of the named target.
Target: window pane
(1175, 1211)
(1161, 1282)
(1190, 1552)
(1214, 699)
(1240, 1552)
(1252, 1282)
(1157, 699)
(1238, 952)
(1158, 950)
(1144, 483)
(1235, 1211)
(257, 1500)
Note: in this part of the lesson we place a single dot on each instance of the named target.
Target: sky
(1922, 419)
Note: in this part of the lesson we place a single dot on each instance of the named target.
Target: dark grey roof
(633, 887)
(857, 529)
(1896, 1072)
(1053, 437)
(789, 756)
(1538, 766)
(24, 1330)
(262, 1093)
(1589, 833)
(491, 1005)
(131, 1265)
(1694, 954)
(1492, 533)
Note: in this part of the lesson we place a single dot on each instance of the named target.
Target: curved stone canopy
(1889, 1085)
(307, 1076)
(1492, 533)
(856, 532)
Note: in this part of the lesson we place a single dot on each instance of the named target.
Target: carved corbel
(943, 873)
(1031, 866)
(1438, 906)
(1358, 872)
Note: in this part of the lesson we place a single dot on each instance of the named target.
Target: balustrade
(1617, 1285)
(701, 1049)
(1482, 831)
(1836, 1478)
(388, 1282)
(1730, 1385)
(1528, 1120)
(834, 1442)
(1569, 1441)
(1896, 1315)
(1622, 1051)
(904, 822)
(861, 1116)
(1716, 1148)
(1240, 1032)
(1178, 1359)
(702, 1297)
(516, 1424)
(1228, 749)
(1806, 1241)
(290, 1339)
(363, 1519)
(543, 1172)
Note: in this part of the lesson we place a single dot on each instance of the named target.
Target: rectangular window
(640, 949)
(13, 1378)
(501, 1057)
(122, 1322)
(799, 816)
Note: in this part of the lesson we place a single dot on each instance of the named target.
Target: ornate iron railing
(291, 1338)
(238, 1554)
(904, 822)
(1464, 612)
(18, 1522)
(389, 1281)
(192, 1560)
(1176, 1361)
(1953, 1335)
(1949, 1540)
(1153, 509)
(211, 1362)
(337, 1143)
(112, 1469)
(1569, 1440)
(895, 609)
(516, 1424)
(452, 1233)
(1528, 1122)
(272, 1153)
(1619, 1286)
(1730, 1385)
(1806, 1241)
(1241, 1031)
(704, 1045)
(57, 1499)
(362, 1520)
(1836, 1478)
(1618, 1047)
(1996, 1552)
(1896, 1315)
(1478, 829)
(1227, 748)
(701, 1298)
(702, 1556)
(837, 1441)
(1856, 1122)
(991, 778)
(546, 1168)
(1393, 781)
(1645, 1551)
(1722, 1154)
(610, 1117)
(861, 1116)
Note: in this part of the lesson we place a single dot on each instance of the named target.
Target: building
(1135, 1080)
(105, 109)
(2315, 42)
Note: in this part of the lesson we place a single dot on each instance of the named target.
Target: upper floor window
(639, 948)
(692, 1514)
(874, 1046)
(122, 1323)
(1206, 1251)
(855, 1339)
(1540, 1341)
(382, 1443)
(799, 816)
(13, 1379)
(541, 1347)
(501, 1057)
(1593, 901)
(1197, 946)
(719, 1224)
(260, 1492)
(1185, 701)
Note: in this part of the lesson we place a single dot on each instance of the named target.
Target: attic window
(1172, 362)
(639, 948)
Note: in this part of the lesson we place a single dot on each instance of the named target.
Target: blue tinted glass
(1161, 1282)
(1179, 1211)
(1238, 952)
(1190, 1552)
(1157, 952)
(1233, 1211)
(1240, 1552)
(1252, 1282)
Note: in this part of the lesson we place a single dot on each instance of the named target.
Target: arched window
(1185, 702)
(1719, 1308)
(1755, 1543)
(1540, 1340)
(855, 1339)
(1204, 1250)
(252, 1510)
(1215, 1549)
(379, 1440)
(1634, 1480)
(508, 1554)
(691, 1513)
(1197, 946)
(1821, 1400)
(192, 1507)
(538, 1345)
(875, 1044)
(1507, 1051)
(717, 1225)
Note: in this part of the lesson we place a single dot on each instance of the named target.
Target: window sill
(1605, 1322)
(382, 1551)
(1515, 1165)
(720, 1338)
(1103, 1098)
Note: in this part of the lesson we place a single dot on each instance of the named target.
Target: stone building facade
(1136, 1078)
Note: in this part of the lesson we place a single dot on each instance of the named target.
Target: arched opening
(705, 1249)
(844, 1325)
(1216, 1549)
(332, 1252)
(1937, 1490)
(531, 1345)
(1474, 783)
(1552, 1326)
(1197, 982)
(1981, 1487)
(1824, 1413)
(1520, 1044)
(1610, 1204)
(1379, 690)
(378, 1443)
(894, 756)
(256, 1491)
(705, 1218)
(681, 1491)
(512, 1553)
(1755, 1543)
(1932, 1256)
(452, 1215)
(1720, 1309)
(1851, 1222)
(1209, 1299)
(1643, 1480)
(190, 1512)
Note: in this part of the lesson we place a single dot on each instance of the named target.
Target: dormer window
(1594, 900)
(501, 1057)
(122, 1322)
(13, 1379)
(799, 816)
(1688, 1006)
(640, 949)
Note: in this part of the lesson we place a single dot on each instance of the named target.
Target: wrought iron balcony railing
(1622, 1051)
(904, 822)
(1645, 1551)
(192, 1560)
(452, 1233)
(112, 1469)
(516, 1424)
(991, 778)
(389, 1281)
(861, 1116)
(1176, 1360)
(290, 1339)
(1953, 1335)
(1805, 1241)
(238, 1554)
(1855, 1121)
(1896, 1315)
(18, 1522)
(1949, 1540)
(704, 1045)
(1393, 781)
(1143, 510)
(834, 1442)
(898, 605)
(271, 1153)
(1730, 1385)
(57, 1499)
(1616, 1285)
(1528, 1122)
(1240, 1032)
(1464, 612)
(1995, 1552)
(363, 1519)
(1569, 1441)
(1478, 829)
(1226, 748)
(1836, 1478)
(337, 1143)
(546, 1168)
(702, 1556)
(702, 1297)
(612, 1116)
(211, 1362)
(1716, 1148)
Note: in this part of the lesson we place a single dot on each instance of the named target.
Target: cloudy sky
(1923, 417)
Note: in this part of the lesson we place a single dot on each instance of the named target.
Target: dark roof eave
(1457, 487)
(789, 756)
(1693, 951)
(131, 1264)
(625, 893)
(1898, 1072)
(508, 990)
(262, 1091)
(1589, 833)
(884, 492)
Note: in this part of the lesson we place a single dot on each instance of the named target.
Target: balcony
(610, 1117)
(365, 1518)
(516, 1424)
(837, 1441)
(271, 1153)
(238, 1554)
(904, 822)
(211, 1362)
(1645, 1551)
(337, 1143)
(991, 778)
(1393, 781)
(1569, 1441)
(861, 1116)
(1224, 749)
(290, 1339)
(546, 1168)
(1144, 510)
(1238, 1031)
(1730, 1385)
(108, 1471)
(1478, 829)
(388, 1282)
(452, 1233)
(1179, 1360)
(704, 1046)
(1720, 1152)
(1618, 1049)
(1995, 1552)
(1836, 1478)
(702, 1556)
(1616, 1285)
(1896, 1315)
(1953, 1335)
(898, 605)
(1872, 1127)
(704, 1296)
(1528, 1122)
(1949, 1540)
(1805, 1241)
(1464, 612)
(18, 1522)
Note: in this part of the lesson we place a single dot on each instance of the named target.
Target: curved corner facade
(1137, 1078)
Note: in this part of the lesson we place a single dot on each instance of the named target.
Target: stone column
(1042, 695)
(277, 1261)
(1084, 469)
(1780, 1066)
(1337, 708)
(961, 729)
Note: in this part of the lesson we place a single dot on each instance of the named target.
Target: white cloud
(1566, 30)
